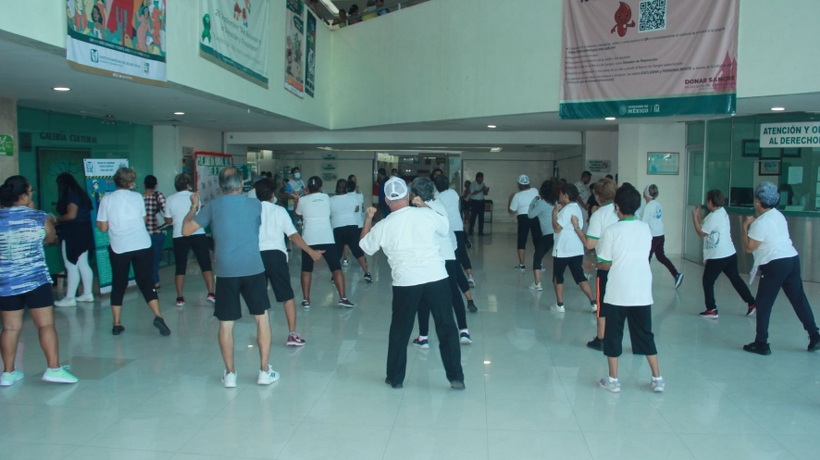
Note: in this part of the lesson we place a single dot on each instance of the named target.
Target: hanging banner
(235, 36)
(99, 180)
(295, 30)
(208, 165)
(124, 39)
(650, 58)
(310, 68)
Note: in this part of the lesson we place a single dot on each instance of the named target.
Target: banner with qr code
(648, 58)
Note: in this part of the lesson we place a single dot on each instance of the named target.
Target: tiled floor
(531, 382)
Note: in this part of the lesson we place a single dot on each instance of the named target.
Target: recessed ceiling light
(778, 109)
(179, 113)
(487, 362)
(61, 88)
(495, 149)
(492, 126)
(610, 118)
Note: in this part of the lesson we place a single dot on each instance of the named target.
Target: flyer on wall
(295, 38)
(649, 58)
(208, 166)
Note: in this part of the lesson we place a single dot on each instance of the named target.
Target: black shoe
(814, 342)
(596, 344)
(159, 323)
(468, 243)
(471, 306)
(758, 348)
(396, 386)
(118, 329)
(457, 385)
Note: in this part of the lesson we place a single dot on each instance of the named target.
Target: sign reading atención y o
(776, 135)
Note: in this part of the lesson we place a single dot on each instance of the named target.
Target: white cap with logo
(395, 189)
(523, 179)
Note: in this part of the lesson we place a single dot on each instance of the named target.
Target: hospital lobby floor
(532, 390)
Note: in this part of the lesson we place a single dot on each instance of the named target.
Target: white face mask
(298, 175)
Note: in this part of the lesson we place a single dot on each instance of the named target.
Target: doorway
(51, 163)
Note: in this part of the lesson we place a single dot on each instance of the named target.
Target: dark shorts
(640, 330)
(348, 236)
(38, 298)
(199, 243)
(253, 289)
(276, 271)
(331, 256)
(576, 267)
(600, 291)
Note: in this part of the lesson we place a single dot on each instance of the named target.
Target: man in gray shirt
(235, 219)
(478, 190)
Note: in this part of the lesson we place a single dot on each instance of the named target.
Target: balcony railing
(364, 14)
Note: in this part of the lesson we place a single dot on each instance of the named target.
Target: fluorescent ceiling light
(179, 113)
(778, 109)
(610, 118)
(61, 88)
(487, 362)
(492, 126)
(495, 149)
(325, 148)
(330, 6)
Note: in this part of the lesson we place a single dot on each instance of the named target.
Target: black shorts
(199, 243)
(254, 290)
(331, 257)
(348, 236)
(600, 291)
(640, 330)
(40, 297)
(276, 271)
(576, 267)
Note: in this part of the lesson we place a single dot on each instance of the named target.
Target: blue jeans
(157, 242)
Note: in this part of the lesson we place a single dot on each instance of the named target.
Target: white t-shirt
(652, 214)
(717, 244)
(315, 212)
(626, 244)
(543, 211)
(176, 208)
(124, 211)
(447, 244)
(583, 191)
(275, 222)
(567, 243)
(450, 199)
(343, 210)
(601, 219)
(409, 238)
(772, 230)
(360, 202)
(520, 203)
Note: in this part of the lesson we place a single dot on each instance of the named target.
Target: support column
(9, 165)
(167, 157)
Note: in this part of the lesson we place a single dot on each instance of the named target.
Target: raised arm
(750, 245)
(555, 227)
(189, 225)
(697, 220)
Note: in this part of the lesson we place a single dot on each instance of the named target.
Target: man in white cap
(520, 205)
(409, 238)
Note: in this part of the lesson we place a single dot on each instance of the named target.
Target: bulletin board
(208, 166)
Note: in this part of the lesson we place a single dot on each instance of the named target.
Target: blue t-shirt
(22, 259)
(234, 221)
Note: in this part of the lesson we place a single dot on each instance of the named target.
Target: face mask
(298, 175)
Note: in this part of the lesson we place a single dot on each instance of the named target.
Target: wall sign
(790, 134)
(6, 145)
(599, 166)
(208, 166)
(80, 138)
(294, 39)
(663, 164)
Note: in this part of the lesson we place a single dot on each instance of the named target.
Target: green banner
(650, 107)
(310, 68)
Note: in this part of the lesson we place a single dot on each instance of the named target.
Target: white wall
(167, 157)
(601, 145)
(201, 140)
(634, 142)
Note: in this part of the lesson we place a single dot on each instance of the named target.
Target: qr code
(652, 16)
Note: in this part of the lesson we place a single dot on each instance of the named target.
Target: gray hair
(230, 180)
(423, 187)
(767, 194)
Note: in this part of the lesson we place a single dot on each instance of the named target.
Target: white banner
(235, 35)
(778, 135)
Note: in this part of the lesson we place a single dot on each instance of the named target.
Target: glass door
(695, 180)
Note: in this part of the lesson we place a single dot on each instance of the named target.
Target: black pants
(477, 212)
(785, 274)
(542, 248)
(458, 285)
(199, 243)
(461, 250)
(406, 302)
(640, 330)
(528, 226)
(728, 266)
(143, 261)
(657, 249)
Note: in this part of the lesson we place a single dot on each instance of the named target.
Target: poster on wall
(99, 180)
(294, 59)
(208, 166)
(310, 68)
(123, 39)
(235, 36)
(648, 58)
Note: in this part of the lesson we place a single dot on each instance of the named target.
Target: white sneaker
(8, 379)
(594, 307)
(66, 302)
(657, 384)
(536, 287)
(471, 280)
(229, 379)
(86, 298)
(609, 385)
(59, 375)
(345, 263)
(267, 377)
(558, 308)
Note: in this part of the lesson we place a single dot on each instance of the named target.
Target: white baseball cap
(523, 179)
(395, 189)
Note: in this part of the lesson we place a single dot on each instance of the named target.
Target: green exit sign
(6, 145)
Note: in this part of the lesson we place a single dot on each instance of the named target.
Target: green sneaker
(59, 375)
(8, 379)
